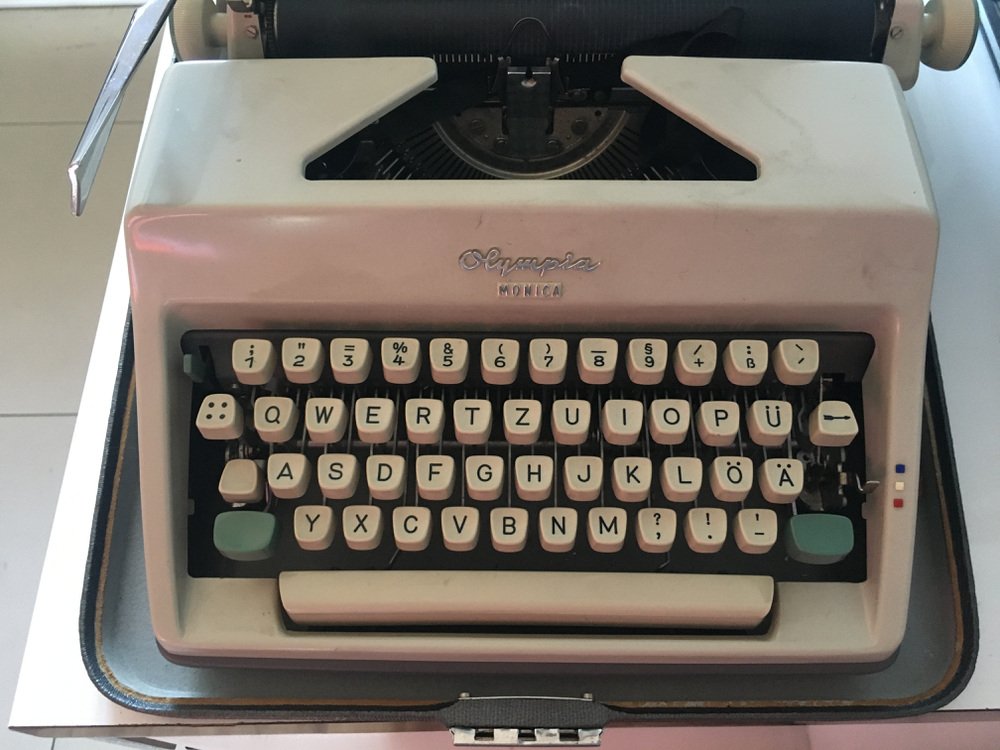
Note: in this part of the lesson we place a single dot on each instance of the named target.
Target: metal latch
(582, 721)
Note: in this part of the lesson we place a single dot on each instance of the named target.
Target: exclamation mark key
(705, 529)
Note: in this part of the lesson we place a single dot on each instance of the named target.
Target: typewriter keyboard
(452, 479)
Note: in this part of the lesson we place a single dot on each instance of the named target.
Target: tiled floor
(52, 278)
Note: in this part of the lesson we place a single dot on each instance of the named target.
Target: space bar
(397, 597)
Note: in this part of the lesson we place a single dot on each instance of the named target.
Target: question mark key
(656, 529)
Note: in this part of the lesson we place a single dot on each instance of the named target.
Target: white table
(957, 118)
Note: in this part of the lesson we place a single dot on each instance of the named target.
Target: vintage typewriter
(532, 331)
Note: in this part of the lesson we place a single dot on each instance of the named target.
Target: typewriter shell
(838, 233)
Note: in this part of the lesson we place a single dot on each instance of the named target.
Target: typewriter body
(515, 356)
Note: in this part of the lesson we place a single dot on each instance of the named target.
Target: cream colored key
(484, 477)
(386, 475)
(449, 360)
(302, 359)
(288, 475)
(351, 360)
(769, 422)
(570, 421)
(718, 423)
(326, 419)
(646, 361)
(424, 420)
(220, 417)
(832, 424)
(242, 481)
(411, 528)
(731, 478)
(781, 480)
(533, 477)
(621, 421)
(435, 477)
(756, 530)
(596, 360)
(656, 529)
(522, 420)
(606, 529)
(557, 529)
(745, 361)
(254, 361)
(314, 526)
(705, 529)
(509, 529)
(460, 528)
(473, 419)
(631, 478)
(338, 475)
(275, 418)
(362, 527)
(582, 477)
(669, 420)
(547, 360)
(400, 360)
(499, 360)
(681, 478)
(796, 361)
(375, 419)
(694, 361)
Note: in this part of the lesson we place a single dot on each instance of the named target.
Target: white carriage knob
(948, 32)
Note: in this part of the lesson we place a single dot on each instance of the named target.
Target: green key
(245, 535)
(819, 538)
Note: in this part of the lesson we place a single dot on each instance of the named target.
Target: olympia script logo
(493, 260)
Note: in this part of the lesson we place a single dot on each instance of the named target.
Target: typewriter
(531, 331)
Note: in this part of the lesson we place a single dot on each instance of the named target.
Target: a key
(694, 361)
(596, 360)
(796, 361)
(473, 418)
(606, 528)
(362, 527)
(314, 526)
(781, 480)
(832, 424)
(275, 418)
(254, 361)
(669, 420)
(557, 529)
(547, 360)
(351, 360)
(484, 477)
(731, 478)
(499, 361)
(326, 419)
(769, 422)
(656, 529)
(718, 423)
(302, 359)
(220, 417)
(646, 361)
(245, 535)
(449, 360)
(819, 538)
(386, 475)
(621, 421)
(705, 529)
(522, 421)
(631, 478)
(400, 360)
(570, 421)
(435, 477)
(745, 361)
(460, 528)
(582, 478)
(533, 477)
(375, 419)
(509, 529)
(424, 420)
(288, 475)
(681, 478)
(338, 475)
(411, 528)
(756, 530)
(242, 481)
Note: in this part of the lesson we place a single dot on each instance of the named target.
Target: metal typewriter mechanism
(541, 336)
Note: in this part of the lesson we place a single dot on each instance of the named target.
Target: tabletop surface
(957, 119)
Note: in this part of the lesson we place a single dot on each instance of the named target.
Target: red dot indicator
(897, 503)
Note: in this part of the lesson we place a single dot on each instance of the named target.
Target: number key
(449, 360)
(499, 361)
(400, 360)
(646, 361)
(547, 361)
(253, 361)
(351, 360)
(596, 360)
(302, 359)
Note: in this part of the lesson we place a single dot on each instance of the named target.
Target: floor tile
(32, 453)
(55, 264)
(55, 60)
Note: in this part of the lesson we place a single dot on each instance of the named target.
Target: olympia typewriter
(531, 331)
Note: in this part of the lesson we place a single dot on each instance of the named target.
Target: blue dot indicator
(900, 468)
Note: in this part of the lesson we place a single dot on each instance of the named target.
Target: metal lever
(142, 30)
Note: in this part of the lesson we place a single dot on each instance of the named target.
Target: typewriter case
(837, 232)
